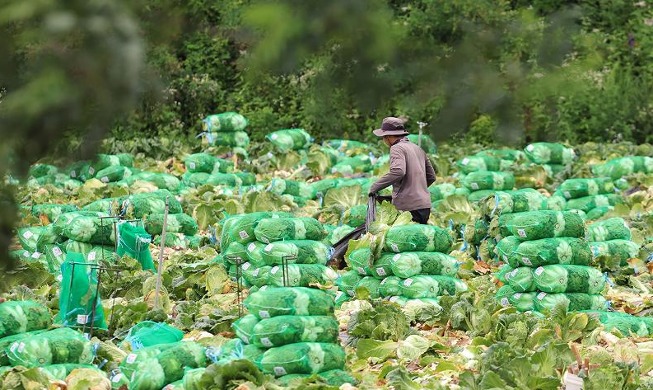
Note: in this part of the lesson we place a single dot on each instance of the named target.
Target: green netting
(240, 228)
(47, 236)
(244, 327)
(295, 251)
(624, 166)
(578, 188)
(335, 378)
(504, 154)
(609, 229)
(61, 371)
(616, 250)
(598, 212)
(76, 246)
(572, 301)
(500, 274)
(254, 253)
(101, 253)
(163, 181)
(280, 229)
(23, 316)
(149, 333)
(6, 342)
(214, 179)
(569, 278)
(505, 291)
(177, 223)
(107, 160)
(235, 349)
(588, 203)
(302, 275)
(521, 279)
(347, 282)
(360, 260)
(418, 238)
(476, 233)
(192, 379)
(344, 145)
(256, 276)
(441, 191)
(134, 242)
(408, 264)
(86, 226)
(284, 330)
(107, 205)
(549, 153)
(40, 170)
(521, 301)
(51, 211)
(355, 216)
(57, 346)
(556, 203)
(152, 368)
(564, 250)
(236, 139)
(28, 237)
(246, 178)
(527, 199)
(290, 139)
(476, 163)
(477, 196)
(371, 285)
(427, 144)
(431, 286)
(204, 162)
(79, 300)
(390, 286)
(486, 180)
(225, 122)
(151, 203)
(54, 256)
(279, 301)
(382, 267)
(302, 358)
(113, 174)
(352, 165)
(292, 187)
(534, 225)
(627, 324)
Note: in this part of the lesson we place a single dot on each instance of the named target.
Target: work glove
(371, 194)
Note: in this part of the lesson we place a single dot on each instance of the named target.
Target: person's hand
(371, 194)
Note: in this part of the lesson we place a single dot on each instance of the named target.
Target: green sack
(569, 278)
(110, 206)
(535, 225)
(347, 282)
(113, 174)
(284, 330)
(295, 251)
(78, 300)
(627, 324)
(301, 275)
(608, 229)
(371, 285)
(292, 187)
(504, 154)
(134, 242)
(280, 229)
(279, 301)
(504, 291)
(408, 264)
(571, 251)
(549, 153)
(572, 301)
(234, 349)
(236, 139)
(149, 333)
(505, 249)
(23, 316)
(556, 203)
(244, 327)
(517, 201)
(521, 279)
(598, 212)
(62, 345)
(47, 236)
(40, 170)
(588, 203)
(486, 180)
(302, 358)
(431, 286)
(418, 238)
(152, 369)
(6, 342)
(290, 139)
(256, 276)
(360, 260)
(151, 203)
(163, 181)
(254, 253)
(578, 188)
(353, 165)
(520, 301)
(29, 236)
(88, 228)
(477, 163)
(335, 378)
(240, 228)
(101, 253)
(624, 166)
(355, 216)
(390, 286)
(619, 250)
(426, 143)
(381, 268)
(225, 122)
(441, 191)
(177, 223)
(344, 145)
(54, 256)
(79, 247)
(108, 160)
(501, 273)
(200, 162)
(51, 211)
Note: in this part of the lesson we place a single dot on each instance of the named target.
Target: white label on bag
(246, 266)
(116, 378)
(73, 174)
(394, 247)
(104, 179)
(465, 161)
(28, 234)
(13, 347)
(539, 271)
(36, 255)
(91, 170)
(541, 295)
(91, 256)
(351, 293)
(380, 271)
(251, 247)
(56, 251)
(408, 282)
(268, 247)
(279, 371)
(266, 342)
(521, 233)
(361, 270)
(396, 257)
(504, 302)
(245, 339)
(191, 165)
(474, 186)
(131, 358)
(274, 270)
(59, 278)
(526, 261)
(530, 147)
(339, 294)
(263, 314)
(274, 136)
(255, 272)
(567, 194)
(243, 234)
(21, 347)
(82, 319)
(517, 295)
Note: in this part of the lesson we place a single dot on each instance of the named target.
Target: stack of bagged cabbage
(611, 239)
(591, 197)
(204, 168)
(618, 168)
(553, 157)
(407, 262)
(263, 242)
(548, 262)
(484, 173)
(226, 130)
(296, 332)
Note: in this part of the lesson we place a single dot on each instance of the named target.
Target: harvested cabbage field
(211, 269)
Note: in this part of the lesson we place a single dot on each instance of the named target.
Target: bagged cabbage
(408, 264)
(240, 228)
(578, 188)
(549, 153)
(441, 191)
(609, 229)
(79, 299)
(426, 143)
(292, 187)
(390, 286)
(279, 301)
(431, 286)
(347, 282)
(6, 342)
(200, 162)
(281, 229)
(295, 251)
(290, 139)
(381, 268)
(371, 285)
(559, 278)
(572, 301)
(302, 358)
(624, 166)
(163, 181)
(62, 345)
(149, 333)
(521, 301)
(521, 279)
(283, 330)
(29, 236)
(236, 139)
(86, 227)
(113, 174)
(487, 180)
(355, 216)
(621, 250)
(352, 165)
(244, 327)
(527, 199)
(565, 250)
(477, 163)
(598, 212)
(301, 275)
(418, 238)
(40, 170)
(360, 260)
(589, 203)
(177, 223)
(235, 349)
(51, 211)
(61, 371)
(225, 122)
(23, 316)
(535, 225)
(111, 160)
(256, 276)
(627, 324)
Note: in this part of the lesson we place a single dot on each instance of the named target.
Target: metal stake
(421, 126)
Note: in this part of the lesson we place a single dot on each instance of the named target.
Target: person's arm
(430, 172)
(396, 173)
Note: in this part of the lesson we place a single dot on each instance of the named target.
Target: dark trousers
(421, 215)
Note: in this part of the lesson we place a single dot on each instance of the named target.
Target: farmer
(410, 173)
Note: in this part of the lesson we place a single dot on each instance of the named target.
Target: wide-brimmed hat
(391, 126)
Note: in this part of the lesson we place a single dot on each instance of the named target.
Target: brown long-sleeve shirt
(410, 175)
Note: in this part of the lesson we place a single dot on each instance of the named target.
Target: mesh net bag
(113, 174)
(284, 330)
(352, 165)
(40, 170)
(371, 285)
(520, 301)
(535, 225)
(598, 212)
(360, 260)
(347, 282)
(134, 242)
(417, 238)
(588, 203)
(51, 211)
(23, 316)
(79, 300)
(486, 180)
(572, 301)
(624, 166)
(505, 248)
(381, 268)
(88, 228)
(225, 122)
(477, 163)
(290, 139)
(149, 333)
(295, 251)
(609, 229)
(236, 139)
(627, 324)
(244, 327)
(408, 264)
(256, 276)
(279, 301)
(163, 181)
(151, 203)
(431, 286)
(302, 358)
(620, 250)
(29, 236)
(521, 279)
(7, 341)
(441, 191)
(569, 278)
(177, 223)
(301, 275)
(280, 229)
(200, 162)
(572, 251)
(62, 345)
(549, 153)
(390, 286)
(240, 228)
(578, 188)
